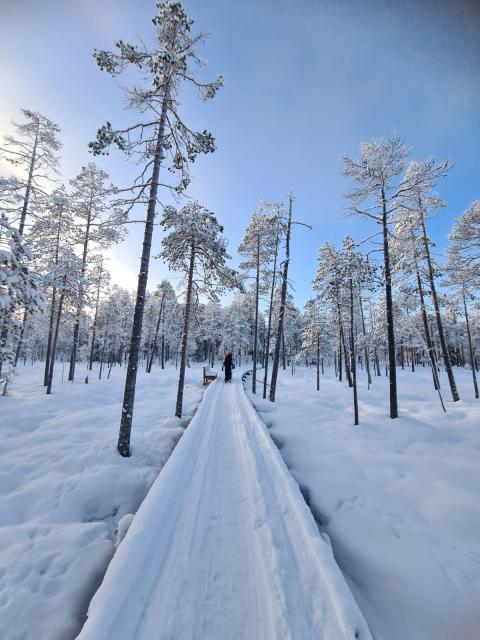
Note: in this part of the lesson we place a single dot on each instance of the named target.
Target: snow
(397, 498)
(64, 490)
(224, 545)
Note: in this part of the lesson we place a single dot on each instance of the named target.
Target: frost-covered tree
(18, 286)
(418, 196)
(162, 302)
(99, 278)
(194, 246)
(161, 134)
(257, 249)
(51, 238)
(316, 332)
(376, 178)
(98, 226)
(465, 235)
(33, 149)
(463, 278)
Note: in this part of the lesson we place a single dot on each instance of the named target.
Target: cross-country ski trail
(224, 546)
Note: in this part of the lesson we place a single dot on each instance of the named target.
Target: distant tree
(97, 224)
(160, 134)
(257, 249)
(194, 246)
(418, 182)
(33, 148)
(375, 194)
(463, 277)
(18, 285)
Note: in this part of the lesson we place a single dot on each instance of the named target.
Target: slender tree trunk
(353, 358)
(81, 295)
(155, 338)
(186, 320)
(428, 336)
(255, 328)
(102, 354)
(123, 445)
(367, 359)
(163, 351)
(283, 298)
(389, 312)
(50, 337)
(470, 347)
(318, 362)
(272, 291)
(441, 335)
(94, 327)
(55, 338)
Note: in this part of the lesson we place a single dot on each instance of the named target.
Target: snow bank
(398, 499)
(64, 488)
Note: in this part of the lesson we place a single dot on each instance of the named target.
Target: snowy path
(224, 546)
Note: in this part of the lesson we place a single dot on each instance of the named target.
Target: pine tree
(376, 176)
(33, 148)
(194, 246)
(160, 135)
(98, 225)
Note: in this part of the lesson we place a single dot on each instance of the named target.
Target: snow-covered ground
(64, 488)
(399, 499)
(224, 547)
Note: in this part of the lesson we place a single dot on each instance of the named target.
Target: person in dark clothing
(227, 366)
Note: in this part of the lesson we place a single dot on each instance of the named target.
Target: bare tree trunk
(318, 362)
(123, 445)
(470, 347)
(441, 335)
(155, 337)
(94, 327)
(428, 337)
(50, 337)
(272, 291)
(389, 312)
(283, 298)
(55, 338)
(255, 328)
(186, 320)
(102, 354)
(367, 359)
(76, 329)
(353, 358)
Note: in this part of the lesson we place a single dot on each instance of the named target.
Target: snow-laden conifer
(160, 136)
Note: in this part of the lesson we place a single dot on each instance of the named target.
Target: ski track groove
(224, 546)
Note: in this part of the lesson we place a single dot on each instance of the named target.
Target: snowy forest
(389, 339)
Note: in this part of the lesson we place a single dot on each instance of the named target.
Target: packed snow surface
(224, 546)
(399, 499)
(65, 491)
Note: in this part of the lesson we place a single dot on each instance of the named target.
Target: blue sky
(306, 82)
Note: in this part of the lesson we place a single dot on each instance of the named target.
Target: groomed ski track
(224, 546)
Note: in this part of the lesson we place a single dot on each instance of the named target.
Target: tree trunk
(255, 328)
(318, 362)
(94, 327)
(283, 298)
(55, 338)
(123, 445)
(186, 319)
(353, 358)
(269, 328)
(441, 335)
(389, 312)
(367, 359)
(428, 337)
(76, 329)
(470, 347)
(155, 337)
